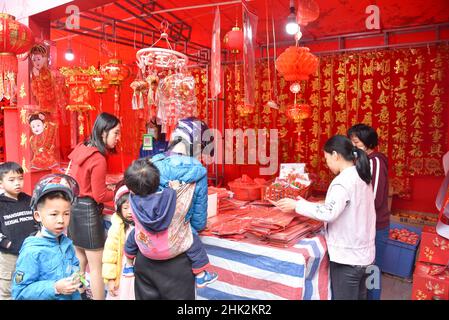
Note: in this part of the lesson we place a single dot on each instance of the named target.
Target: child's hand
(112, 288)
(175, 184)
(66, 286)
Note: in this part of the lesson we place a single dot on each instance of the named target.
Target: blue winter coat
(42, 262)
(188, 170)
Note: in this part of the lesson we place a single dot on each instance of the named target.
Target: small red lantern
(15, 39)
(99, 83)
(296, 63)
(298, 112)
(114, 71)
(308, 11)
(233, 40)
(244, 109)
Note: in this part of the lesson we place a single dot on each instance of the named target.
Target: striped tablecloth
(253, 271)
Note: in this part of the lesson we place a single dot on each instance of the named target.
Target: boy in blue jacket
(180, 163)
(47, 267)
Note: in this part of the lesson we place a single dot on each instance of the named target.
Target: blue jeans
(381, 240)
(197, 254)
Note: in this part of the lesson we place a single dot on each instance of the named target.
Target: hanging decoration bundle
(15, 39)
(167, 84)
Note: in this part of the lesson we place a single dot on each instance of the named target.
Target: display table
(253, 271)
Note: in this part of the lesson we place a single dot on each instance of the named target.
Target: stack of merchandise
(267, 225)
(292, 182)
(226, 199)
(431, 276)
(247, 189)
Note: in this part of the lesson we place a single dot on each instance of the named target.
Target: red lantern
(99, 83)
(114, 71)
(244, 109)
(233, 40)
(298, 112)
(296, 63)
(79, 99)
(15, 38)
(308, 11)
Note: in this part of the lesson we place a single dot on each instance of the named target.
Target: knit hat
(120, 192)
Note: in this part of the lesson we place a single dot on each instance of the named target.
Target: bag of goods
(404, 235)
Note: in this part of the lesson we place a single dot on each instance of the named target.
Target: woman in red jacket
(89, 167)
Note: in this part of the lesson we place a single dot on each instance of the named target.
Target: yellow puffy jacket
(113, 250)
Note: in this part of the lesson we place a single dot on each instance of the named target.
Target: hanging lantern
(244, 109)
(308, 11)
(140, 89)
(298, 112)
(114, 71)
(99, 83)
(233, 40)
(296, 63)
(15, 39)
(77, 80)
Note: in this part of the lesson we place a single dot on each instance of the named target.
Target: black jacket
(16, 222)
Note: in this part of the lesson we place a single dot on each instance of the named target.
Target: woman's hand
(286, 204)
(111, 288)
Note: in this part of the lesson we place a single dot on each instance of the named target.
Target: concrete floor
(395, 288)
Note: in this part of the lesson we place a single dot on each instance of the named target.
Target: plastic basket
(399, 257)
(276, 193)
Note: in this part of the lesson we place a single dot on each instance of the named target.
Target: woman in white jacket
(349, 216)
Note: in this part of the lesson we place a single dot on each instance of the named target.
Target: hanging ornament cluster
(140, 89)
(167, 84)
(99, 83)
(15, 39)
(233, 40)
(296, 63)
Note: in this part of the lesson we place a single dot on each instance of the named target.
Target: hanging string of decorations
(115, 72)
(163, 78)
(15, 39)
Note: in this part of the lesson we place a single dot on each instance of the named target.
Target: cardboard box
(414, 218)
(427, 286)
(434, 248)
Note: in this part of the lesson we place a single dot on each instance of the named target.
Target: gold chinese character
(402, 84)
(367, 104)
(417, 123)
(23, 140)
(367, 86)
(368, 69)
(401, 66)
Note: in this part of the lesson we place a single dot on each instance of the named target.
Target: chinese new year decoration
(233, 40)
(15, 39)
(244, 109)
(78, 79)
(296, 63)
(100, 85)
(298, 112)
(42, 141)
(308, 11)
(115, 72)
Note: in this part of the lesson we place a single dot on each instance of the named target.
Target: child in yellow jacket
(118, 277)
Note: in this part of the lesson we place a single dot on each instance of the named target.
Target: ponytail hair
(343, 146)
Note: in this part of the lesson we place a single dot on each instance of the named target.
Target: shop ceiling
(137, 22)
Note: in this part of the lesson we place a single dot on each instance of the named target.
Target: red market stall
(272, 99)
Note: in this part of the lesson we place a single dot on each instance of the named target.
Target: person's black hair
(343, 146)
(104, 123)
(52, 195)
(37, 116)
(364, 133)
(10, 167)
(142, 177)
(119, 204)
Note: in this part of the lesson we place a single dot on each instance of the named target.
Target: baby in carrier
(161, 231)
